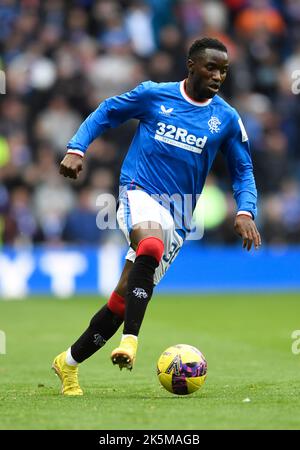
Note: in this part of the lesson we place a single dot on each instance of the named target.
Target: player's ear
(190, 65)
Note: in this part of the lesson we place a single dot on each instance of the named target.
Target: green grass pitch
(246, 340)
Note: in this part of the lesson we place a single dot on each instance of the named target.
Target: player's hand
(71, 166)
(246, 228)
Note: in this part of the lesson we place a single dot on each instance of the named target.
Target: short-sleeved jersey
(176, 142)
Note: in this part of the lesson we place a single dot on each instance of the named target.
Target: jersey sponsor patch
(243, 131)
(179, 137)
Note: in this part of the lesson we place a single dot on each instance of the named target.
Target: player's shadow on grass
(155, 396)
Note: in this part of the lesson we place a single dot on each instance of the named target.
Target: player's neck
(188, 87)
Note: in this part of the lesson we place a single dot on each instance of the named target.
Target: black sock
(102, 327)
(139, 291)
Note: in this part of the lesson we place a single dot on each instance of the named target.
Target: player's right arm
(109, 114)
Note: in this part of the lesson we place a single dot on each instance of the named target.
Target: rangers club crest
(140, 293)
(213, 124)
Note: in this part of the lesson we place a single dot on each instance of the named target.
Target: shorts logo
(140, 293)
(179, 137)
(165, 111)
(213, 124)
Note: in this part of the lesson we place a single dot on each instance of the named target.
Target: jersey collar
(189, 100)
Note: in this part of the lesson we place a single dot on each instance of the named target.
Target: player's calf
(140, 282)
(139, 292)
(102, 327)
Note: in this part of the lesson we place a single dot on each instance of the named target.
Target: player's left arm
(237, 152)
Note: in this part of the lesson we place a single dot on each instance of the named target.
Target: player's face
(207, 71)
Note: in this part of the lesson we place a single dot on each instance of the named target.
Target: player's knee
(151, 246)
(116, 304)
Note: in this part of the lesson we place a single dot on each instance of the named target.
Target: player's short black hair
(202, 44)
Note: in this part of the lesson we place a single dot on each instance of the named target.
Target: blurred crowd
(62, 58)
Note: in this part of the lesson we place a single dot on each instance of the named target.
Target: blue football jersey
(176, 142)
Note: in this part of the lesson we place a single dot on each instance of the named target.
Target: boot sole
(122, 360)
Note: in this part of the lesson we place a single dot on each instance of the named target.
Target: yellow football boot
(68, 376)
(124, 355)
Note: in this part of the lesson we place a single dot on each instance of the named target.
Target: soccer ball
(181, 369)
